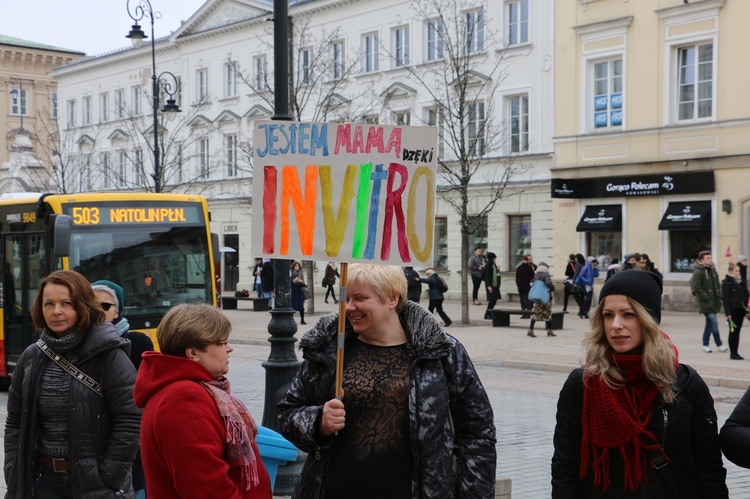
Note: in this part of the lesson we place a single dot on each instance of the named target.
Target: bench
(501, 317)
(230, 302)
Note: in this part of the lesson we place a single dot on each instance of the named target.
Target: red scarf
(617, 420)
(241, 432)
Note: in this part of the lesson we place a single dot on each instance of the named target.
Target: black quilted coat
(103, 431)
(442, 377)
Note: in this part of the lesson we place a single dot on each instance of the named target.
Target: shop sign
(635, 185)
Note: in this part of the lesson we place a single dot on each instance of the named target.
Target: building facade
(352, 60)
(650, 134)
(28, 107)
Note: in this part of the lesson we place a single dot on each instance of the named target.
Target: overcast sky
(90, 26)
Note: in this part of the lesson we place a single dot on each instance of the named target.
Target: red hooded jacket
(183, 436)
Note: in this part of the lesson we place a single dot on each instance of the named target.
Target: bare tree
(462, 79)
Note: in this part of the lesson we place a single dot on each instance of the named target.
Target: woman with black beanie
(634, 422)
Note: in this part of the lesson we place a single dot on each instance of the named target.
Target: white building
(354, 60)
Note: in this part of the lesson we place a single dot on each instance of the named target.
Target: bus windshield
(157, 265)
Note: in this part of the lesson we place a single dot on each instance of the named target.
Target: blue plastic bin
(274, 450)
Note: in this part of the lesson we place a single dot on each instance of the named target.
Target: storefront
(668, 215)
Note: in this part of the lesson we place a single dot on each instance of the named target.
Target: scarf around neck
(241, 432)
(735, 278)
(616, 420)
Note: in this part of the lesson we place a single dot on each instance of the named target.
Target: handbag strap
(71, 369)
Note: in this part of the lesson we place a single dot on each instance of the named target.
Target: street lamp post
(166, 80)
(17, 95)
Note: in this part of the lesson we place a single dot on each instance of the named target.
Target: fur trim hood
(423, 333)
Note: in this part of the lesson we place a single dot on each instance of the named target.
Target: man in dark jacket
(267, 281)
(524, 275)
(707, 288)
(476, 269)
(413, 283)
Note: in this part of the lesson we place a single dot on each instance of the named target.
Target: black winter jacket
(104, 432)
(432, 282)
(442, 382)
(734, 295)
(686, 428)
(735, 434)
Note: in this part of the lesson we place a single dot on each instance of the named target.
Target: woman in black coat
(734, 294)
(634, 423)
(491, 283)
(297, 298)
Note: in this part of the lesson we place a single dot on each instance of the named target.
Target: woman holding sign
(415, 420)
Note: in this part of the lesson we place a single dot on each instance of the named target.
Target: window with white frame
(71, 113)
(695, 68)
(371, 119)
(103, 107)
(105, 169)
(519, 123)
(518, 22)
(608, 107)
(476, 130)
(371, 53)
(402, 118)
(201, 84)
(338, 61)
(400, 41)
(475, 31)
(136, 101)
(203, 158)
(305, 65)
(18, 102)
(119, 104)
(440, 255)
(230, 80)
(230, 146)
(86, 110)
(260, 72)
(435, 39)
(435, 118)
(122, 167)
(54, 104)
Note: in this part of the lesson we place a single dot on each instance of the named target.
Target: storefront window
(478, 238)
(684, 246)
(604, 246)
(440, 258)
(519, 238)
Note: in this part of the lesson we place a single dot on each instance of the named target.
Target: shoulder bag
(71, 369)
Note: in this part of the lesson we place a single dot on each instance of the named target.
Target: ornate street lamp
(166, 81)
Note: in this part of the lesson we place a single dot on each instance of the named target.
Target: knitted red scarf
(617, 420)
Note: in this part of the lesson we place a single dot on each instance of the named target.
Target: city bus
(158, 247)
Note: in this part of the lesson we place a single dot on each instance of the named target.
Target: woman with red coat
(197, 440)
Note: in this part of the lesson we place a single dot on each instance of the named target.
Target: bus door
(25, 264)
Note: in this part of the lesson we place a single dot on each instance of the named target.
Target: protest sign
(344, 192)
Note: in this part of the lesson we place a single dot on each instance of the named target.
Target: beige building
(28, 109)
(651, 126)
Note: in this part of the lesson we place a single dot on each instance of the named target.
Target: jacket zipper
(665, 413)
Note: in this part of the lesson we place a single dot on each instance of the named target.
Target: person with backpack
(541, 311)
(437, 288)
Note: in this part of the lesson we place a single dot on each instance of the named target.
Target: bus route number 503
(85, 215)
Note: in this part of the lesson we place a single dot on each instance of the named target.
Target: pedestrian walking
(707, 290)
(298, 291)
(69, 434)
(197, 440)
(330, 279)
(414, 285)
(524, 275)
(436, 295)
(414, 420)
(734, 295)
(585, 281)
(492, 284)
(570, 272)
(476, 269)
(634, 422)
(542, 311)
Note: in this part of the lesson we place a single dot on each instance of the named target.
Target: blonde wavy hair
(659, 356)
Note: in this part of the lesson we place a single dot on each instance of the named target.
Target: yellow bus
(158, 247)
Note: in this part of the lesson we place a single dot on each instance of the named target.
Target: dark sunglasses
(106, 306)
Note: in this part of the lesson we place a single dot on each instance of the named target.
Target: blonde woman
(634, 422)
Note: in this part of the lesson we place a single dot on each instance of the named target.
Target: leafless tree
(462, 79)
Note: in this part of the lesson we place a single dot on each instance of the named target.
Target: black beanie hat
(641, 285)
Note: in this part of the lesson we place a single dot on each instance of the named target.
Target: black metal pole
(155, 98)
(282, 363)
